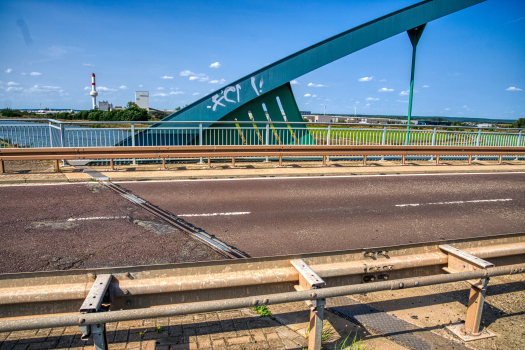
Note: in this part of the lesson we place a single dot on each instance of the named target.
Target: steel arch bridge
(266, 95)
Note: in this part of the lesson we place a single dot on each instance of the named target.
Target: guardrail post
(100, 292)
(478, 138)
(2, 167)
(133, 140)
(316, 324)
(433, 141)
(383, 142)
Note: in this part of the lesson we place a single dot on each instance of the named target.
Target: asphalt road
(49, 227)
(58, 227)
(276, 216)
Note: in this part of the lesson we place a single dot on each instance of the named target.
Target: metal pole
(267, 139)
(200, 142)
(478, 140)
(62, 142)
(133, 140)
(316, 324)
(383, 142)
(414, 35)
(50, 135)
(433, 141)
(328, 139)
(518, 143)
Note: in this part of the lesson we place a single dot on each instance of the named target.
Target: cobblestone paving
(235, 329)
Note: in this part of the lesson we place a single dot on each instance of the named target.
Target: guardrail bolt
(266, 301)
(313, 295)
(81, 320)
(416, 283)
(255, 302)
(125, 291)
(129, 302)
(401, 285)
(127, 274)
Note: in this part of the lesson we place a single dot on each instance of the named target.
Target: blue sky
(469, 64)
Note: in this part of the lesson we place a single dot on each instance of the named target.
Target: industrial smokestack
(93, 92)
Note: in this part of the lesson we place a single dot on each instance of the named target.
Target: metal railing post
(478, 138)
(383, 142)
(316, 324)
(328, 139)
(50, 134)
(62, 142)
(268, 142)
(133, 140)
(200, 142)
(518, 143)
(433, 141)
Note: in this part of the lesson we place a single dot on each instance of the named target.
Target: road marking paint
(99, 218)
(455, 202)
(217, 214)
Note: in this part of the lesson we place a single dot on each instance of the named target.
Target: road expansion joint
(196, 233)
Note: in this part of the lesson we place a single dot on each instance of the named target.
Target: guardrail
(164, 152)
(98, 296)
(38, 133)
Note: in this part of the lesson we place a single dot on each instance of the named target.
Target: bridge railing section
(40, 133)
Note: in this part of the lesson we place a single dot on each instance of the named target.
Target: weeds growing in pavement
(328, 334)
(263, 311)
(159, 329)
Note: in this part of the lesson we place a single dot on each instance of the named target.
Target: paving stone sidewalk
(232, 330)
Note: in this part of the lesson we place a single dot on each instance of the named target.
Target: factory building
(142, 99)
(105, 106)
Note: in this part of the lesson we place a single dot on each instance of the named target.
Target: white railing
(38, 133)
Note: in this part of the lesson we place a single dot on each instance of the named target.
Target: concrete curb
(306, 173)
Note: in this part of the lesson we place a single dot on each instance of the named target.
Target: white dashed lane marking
(455, 202)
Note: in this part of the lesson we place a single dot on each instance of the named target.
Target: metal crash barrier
(92, 298)
(281, 151)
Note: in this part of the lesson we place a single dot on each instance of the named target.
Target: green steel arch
(235, 101)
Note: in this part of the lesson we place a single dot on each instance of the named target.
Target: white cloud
(195, 94)
(87, 88)
(123, 87)
(162, 94)
(316, 85)
(314, 95)
(215, 65)
(12, 88)
(404, 93)
(385, 90)
(140, 85)
(307, 95)
(35, 73)
(12, 83)
(186, 73)
(382, 80)
(426, 86)
(105, 89)
(402, 101)
(366, 78)
(512, 88)
(160, 88)
(447, 109)
(178, 92)
(46, 89)
(166, 77)
(294, 82)
(371, 99)
(222, 81)
(88, 64)
(8, 70)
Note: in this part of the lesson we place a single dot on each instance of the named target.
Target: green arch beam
(222, 102)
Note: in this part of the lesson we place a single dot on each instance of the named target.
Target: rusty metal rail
(164, 152)
(173, 289)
